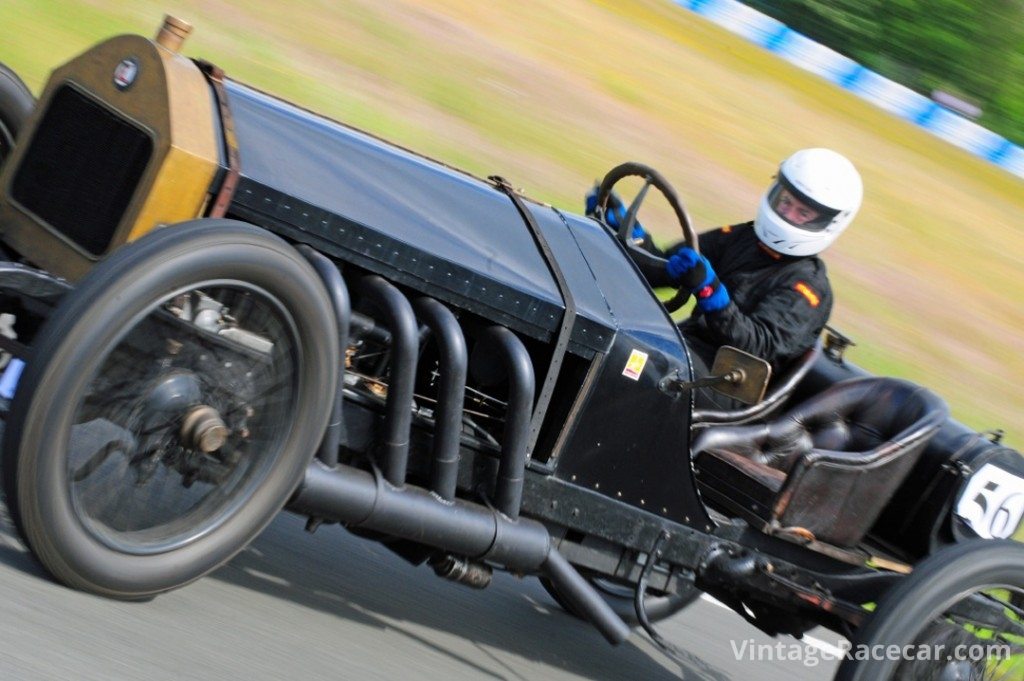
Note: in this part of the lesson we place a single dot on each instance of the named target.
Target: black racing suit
(778, 304)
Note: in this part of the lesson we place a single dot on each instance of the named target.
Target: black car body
(571, 445)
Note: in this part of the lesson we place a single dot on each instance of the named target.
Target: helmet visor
(799, 210)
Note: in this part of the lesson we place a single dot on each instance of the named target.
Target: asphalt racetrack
(332, 606)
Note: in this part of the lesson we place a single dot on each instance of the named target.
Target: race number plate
(993, 502)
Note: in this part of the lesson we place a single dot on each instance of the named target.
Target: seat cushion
(829, 465)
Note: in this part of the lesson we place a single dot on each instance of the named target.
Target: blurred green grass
(551, 95)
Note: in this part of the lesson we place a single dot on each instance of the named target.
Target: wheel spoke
(980, 637)
(156, 436)
(98, 459)
(139, 473)
(956, 616)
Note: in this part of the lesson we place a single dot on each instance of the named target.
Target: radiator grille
(81, 169)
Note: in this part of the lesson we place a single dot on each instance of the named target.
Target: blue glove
(590, 201)
(694, 272)
(615, 213)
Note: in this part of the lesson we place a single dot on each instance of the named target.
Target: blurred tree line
(973, 49)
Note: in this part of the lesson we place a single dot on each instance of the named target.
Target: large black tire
(131, 506)
(16, 103)
(620, 598)
(914, 613)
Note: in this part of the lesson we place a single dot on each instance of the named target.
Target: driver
(760, 286)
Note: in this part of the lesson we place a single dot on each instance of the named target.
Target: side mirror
(744, 377)
(736, 374)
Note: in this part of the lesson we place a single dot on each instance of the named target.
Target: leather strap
(568, 318)
(229, 184)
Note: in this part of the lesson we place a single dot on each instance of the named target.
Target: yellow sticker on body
(635, 365)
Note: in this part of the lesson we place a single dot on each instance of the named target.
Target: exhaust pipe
(342, 303)
(451, 394)
(359, 498)
(381, 503)
(401, 321)
(508, 493)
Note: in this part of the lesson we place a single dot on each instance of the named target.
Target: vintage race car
(218, 305)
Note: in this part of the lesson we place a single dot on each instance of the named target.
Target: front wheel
(171, 405)
(959, 616)
(16, 103)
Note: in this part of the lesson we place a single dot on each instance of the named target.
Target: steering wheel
(652, 178)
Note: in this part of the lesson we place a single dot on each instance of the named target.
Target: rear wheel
(171, 406)
(959, 616)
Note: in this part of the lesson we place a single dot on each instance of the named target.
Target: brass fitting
(173, 33)
(203, 429)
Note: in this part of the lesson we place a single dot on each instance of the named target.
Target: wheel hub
(173, 393)
(204, 429)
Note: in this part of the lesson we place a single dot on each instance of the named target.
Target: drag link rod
(583, 598)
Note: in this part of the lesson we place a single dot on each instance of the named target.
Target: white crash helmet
(823, 180)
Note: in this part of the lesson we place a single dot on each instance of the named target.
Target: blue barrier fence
(829, 64)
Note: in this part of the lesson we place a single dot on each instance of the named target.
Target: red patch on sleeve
(808, 293)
